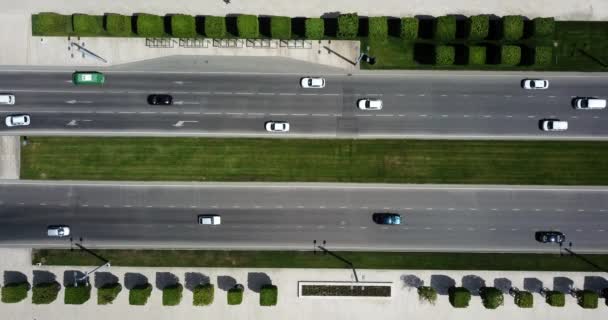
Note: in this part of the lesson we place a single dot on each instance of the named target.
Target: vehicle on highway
(386, 218)
(589, 103)
(312, 82)
(160, 99)
(550, 237)
(277, 126)
(535, 84)
(553, 125)
(369, 104)
(17, 120)
(209, 219)
(58, 231)
(88, 77)
(7, 99)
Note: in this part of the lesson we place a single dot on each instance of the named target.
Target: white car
(589, 103)
(58, 231)
(310, 82)
(535, 84)
(554, 125)
(369, 104)
(7, 99)
(209, 219)
(17, 120)
(277, 126)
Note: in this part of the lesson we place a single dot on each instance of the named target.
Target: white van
(7, 99)
(589, 103)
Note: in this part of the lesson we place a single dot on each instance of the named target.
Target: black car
(386, 218)
(160, 99)
(550, 237)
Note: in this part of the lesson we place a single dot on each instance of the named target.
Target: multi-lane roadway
(432, 104)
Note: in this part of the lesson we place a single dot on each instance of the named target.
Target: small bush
(15, 292)
(479, 27)
(315, 28)
(268, 295)
(587, 299)
(378, 29)
(280, 27)
(348, 26)
(524, 299)
(444, 55)
(203, 295)
(215, 27)
(45, 293)
(543, 27)
(107, 293)
(118, 25)
(235, 296)
(428, 294)
(543, 56)
(183, 26)
(555, 298)
(77, 295)
(510, 55)
(512, 27)
(477, 55)
(459, 297)
(85, 24)
(409, 28)
(51, 24)
(139, 295)
(172, 295)
(491, 297)
(248, 26)
(150, 25)
(445, 28)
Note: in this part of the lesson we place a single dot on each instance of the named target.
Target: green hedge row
(445, 55)
(445, 28)
(77, 295)
(491, 297)
(235, 296)
(172, 295)
(314, 28)
(203, 295)
(512, 27)
(378, 29)
(215, 27)
(409, 28)
(45, 293)
(479, 27)
(138, 296)
(459, 297)
(107, 293)
(268, 295)
(280, 27)
(348, 26)
(524, 299)
(248, 26)
(183, 26)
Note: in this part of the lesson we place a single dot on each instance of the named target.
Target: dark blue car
(386, 218)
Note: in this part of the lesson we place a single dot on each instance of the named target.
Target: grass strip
(307, 160)
(307, 259)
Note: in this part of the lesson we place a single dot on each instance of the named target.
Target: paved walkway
(404, 303)
(10, 157)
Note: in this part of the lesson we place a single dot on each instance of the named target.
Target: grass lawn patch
(139, 295)
(51, 24)
(15, 292)
(582, 45)
(268, 295)
(203, 295)
(107, 293)
(235, 296)
(172, 295)
(45, 293)
(77, 295)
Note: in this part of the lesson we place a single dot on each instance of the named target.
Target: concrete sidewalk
(10, 157)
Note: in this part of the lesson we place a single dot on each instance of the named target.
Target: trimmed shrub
(215, 27)
(280, 27)
(491, 297)
(543, 27)
(51, 24)
(107, 293)
(172, 295)
(87, 24)
(543, 56)
(444, 55)
(235, 296)
(248, 26)
(118, 25)
(512, 27)
(15, 292)
(315, 28)
(459, 297)
(524, 299)
(150, 25)
(268, 295)
(477, 55)
(378, 29)
(203, 295)
(587, 299)
(348, 26)
(555, 298)
(445, 28)
(510, 55)
(479, 26)
(409, 28)
(428, 294)
(183, 26)
(77, 295)
(45, 293)
(139, 295)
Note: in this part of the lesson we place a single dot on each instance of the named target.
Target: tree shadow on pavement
(255, 281)
(165, 279)
(503, 284)
(473, 283)
(194, 279)
(42, 276)
(441, 283)
(563, 284)
(104, 278)
(133, 280)
(226, 282)
(411, 281)
(595, 283)
(14, 277)
(533, 285)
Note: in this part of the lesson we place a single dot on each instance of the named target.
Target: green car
(88, 78)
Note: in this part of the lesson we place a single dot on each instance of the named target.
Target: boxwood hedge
(77, 295)
(235, 296)
(248, 26)
(118, 25)
(348, 26)
(555, 298)
(172, 295)
(15, 292)
(183, 26)
(445, 28)
(444, 55)
(280, 27)
(409, 28)
(268, 295)
(512, 27)
(479, 27)
(85, 24)
(510, 55)
(428, 294)
(477, 55)
(215, 27)
(543, 27)
(378, 29)
(138, 296)
(587, 299)
(543, 56)
(491, 297)
(150, 25)
(45, 293)
(203, 295)
(459, 297)
(51, 24)
(315, 28)
(524, 299)
(107, 293)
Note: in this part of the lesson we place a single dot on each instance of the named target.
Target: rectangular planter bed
(345, 290)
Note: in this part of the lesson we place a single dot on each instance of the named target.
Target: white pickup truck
(209, 219)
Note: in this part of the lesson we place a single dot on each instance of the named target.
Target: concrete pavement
(10, 157)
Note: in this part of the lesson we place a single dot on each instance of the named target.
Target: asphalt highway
(291, 216)
(432, 104)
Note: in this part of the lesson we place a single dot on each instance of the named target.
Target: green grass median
(302, 160)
